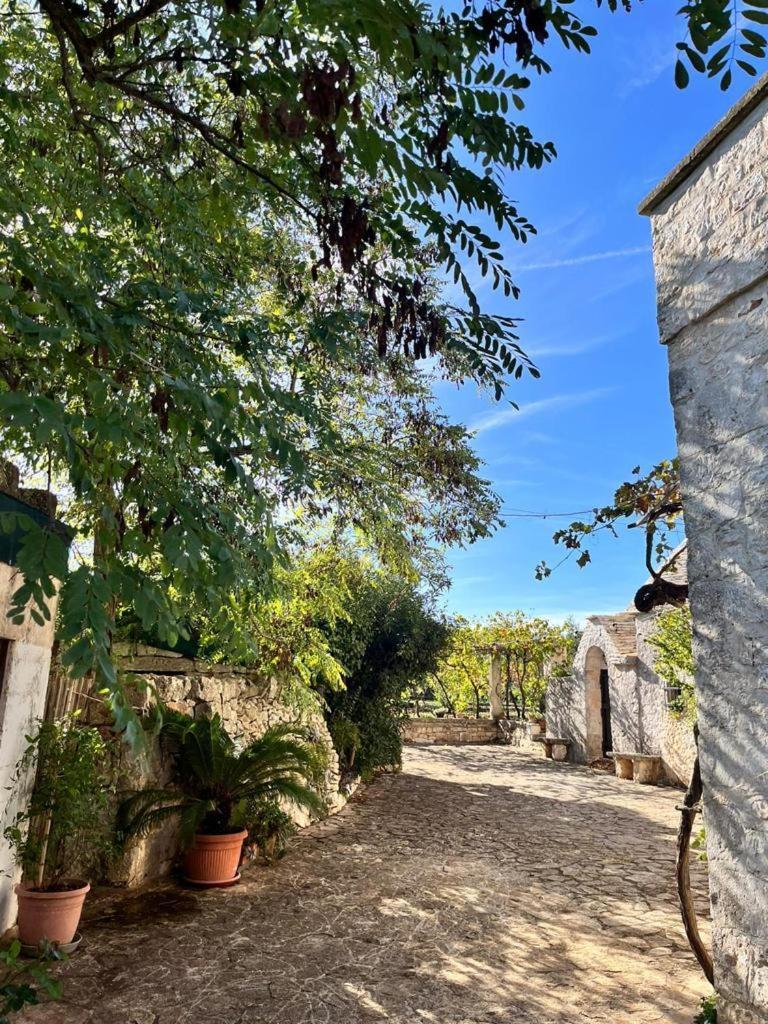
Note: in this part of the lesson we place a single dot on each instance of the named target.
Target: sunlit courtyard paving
(480, 886)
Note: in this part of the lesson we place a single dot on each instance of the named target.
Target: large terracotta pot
(51, 916)
(214, 860)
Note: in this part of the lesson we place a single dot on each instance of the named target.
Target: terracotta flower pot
(51, 916)
(214, 860)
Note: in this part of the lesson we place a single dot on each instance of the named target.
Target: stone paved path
(480, 886)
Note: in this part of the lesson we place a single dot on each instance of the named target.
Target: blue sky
(602, 404)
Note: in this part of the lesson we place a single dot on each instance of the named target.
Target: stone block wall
(449, 730)
(247, 704)
(470, 730)
(639, 717)
(710, 233)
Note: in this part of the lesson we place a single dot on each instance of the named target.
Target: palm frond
(214, 778)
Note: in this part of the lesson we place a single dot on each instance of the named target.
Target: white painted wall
(22, 703)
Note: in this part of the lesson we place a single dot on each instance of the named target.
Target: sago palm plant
(216, 782)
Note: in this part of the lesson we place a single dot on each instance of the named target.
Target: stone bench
(643, 768)
(555, 748)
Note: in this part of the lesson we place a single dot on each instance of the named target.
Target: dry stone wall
(710, 231)
(247, 704)
(470, 730)
(449, 730)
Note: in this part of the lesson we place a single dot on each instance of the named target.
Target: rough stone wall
(469, 730)
(639, 717)
(565, 712)
(711, 257)
(248, 705)
(449, 730)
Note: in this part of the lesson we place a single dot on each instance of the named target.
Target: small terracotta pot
(214, 860)
(51, 916)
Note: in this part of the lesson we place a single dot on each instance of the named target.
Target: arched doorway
(598, 705)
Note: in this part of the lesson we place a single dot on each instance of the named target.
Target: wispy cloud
(469, 581)
(643, 58)
(577, 348)
(498, 419)
(515, 460)
(591, 257)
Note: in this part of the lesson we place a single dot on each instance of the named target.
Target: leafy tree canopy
(390, 642)
(532, 650)
(672, 640)
(210, 208)
(652, 502)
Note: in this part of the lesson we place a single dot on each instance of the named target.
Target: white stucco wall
(711, 256)
(22, 703)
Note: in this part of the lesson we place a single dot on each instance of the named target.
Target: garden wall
(469, 730)
(449, 730)
(248, 705)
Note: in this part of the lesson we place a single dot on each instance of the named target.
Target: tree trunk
(689, 810)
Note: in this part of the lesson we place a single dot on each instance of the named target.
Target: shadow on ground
(479, 886)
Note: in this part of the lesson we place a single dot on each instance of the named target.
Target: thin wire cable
(524, 513)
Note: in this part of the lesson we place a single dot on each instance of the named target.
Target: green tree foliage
(391, 640)
(652, 500)
(672, 640)
(211, 209)
(461, 676)
(65, 827)
(532, 650)
(723, 36)
(527, 646)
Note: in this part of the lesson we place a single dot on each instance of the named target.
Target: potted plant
(215, 784)
(63, 832)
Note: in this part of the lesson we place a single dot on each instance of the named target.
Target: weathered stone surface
(480, 886)
(639, 716)
(711, 257)
(449, 730)
(248, 705)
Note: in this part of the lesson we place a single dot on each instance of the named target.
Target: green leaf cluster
(672, 639)
(23, 981)
(722, 35)
(65, 830)
(216, 783)
(391, 641)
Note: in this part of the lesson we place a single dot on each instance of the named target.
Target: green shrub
(390, 643)
(66, 826)
(269, 828)
(216, 782)
(346, 739)
(23, 981)
(708, 1014)
(673, 641)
